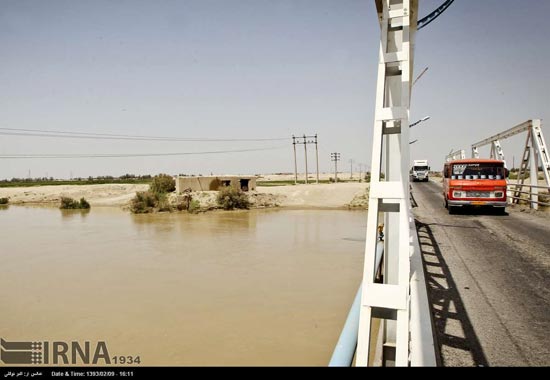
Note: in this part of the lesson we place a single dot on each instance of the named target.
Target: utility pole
(306, 140)
(335, 157)
(305, 150)
(351, 168)
(360, 171)
(317, 157)
(295, 164)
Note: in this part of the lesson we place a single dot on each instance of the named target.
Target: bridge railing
(533, 195)
(344, 352)
(422, 344)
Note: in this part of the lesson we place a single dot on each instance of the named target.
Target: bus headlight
(458, 194)
(499, 194)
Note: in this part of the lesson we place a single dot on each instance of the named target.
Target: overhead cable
(126, 155)
(110, 136)
(435, 14)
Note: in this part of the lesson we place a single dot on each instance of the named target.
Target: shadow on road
(457, 341)
(413, 201)
(472, 211)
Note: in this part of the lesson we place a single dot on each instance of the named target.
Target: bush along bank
(156, 198)
(161, 198)
(71, 204)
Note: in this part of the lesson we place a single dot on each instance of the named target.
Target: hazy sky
(255, 69)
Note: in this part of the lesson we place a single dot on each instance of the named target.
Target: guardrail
(533, 200)
(421, 328)
(344, 352)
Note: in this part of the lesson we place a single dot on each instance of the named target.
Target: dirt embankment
(338, 195)
(341, 195)
(97, 195)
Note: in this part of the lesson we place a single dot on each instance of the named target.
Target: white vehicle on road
(420, 170)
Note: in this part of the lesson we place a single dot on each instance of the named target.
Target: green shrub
(4, 201)
(146, 201)
(162, 183)
(162, 202)
(84, 204)
(68, 203)
(230, 198)
(194, 206)
(143, 202)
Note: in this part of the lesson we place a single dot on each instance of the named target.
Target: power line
(435, 14)
(122, 155)
(111, 136)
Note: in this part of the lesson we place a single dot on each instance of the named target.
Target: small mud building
(214, 183)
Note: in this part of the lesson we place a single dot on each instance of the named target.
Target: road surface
(489, 282)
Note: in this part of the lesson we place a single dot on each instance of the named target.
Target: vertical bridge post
(389, 200)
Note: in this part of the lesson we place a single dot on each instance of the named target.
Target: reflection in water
(264, 287)
(67, 214)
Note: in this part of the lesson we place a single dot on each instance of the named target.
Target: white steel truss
(389, 200)
(535, 155)
(496, 151)
(458, 155)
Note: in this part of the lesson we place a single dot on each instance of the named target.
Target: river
(260, 287)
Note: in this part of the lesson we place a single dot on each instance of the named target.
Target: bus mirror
(506, 172)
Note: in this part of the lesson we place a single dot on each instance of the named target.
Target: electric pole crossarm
(305, 141)
(335, 157)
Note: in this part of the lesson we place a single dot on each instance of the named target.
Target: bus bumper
(455, 203)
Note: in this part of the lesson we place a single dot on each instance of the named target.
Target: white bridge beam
(506, 134)
(389, 203)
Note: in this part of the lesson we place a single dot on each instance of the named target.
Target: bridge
(470, 289)
(488, 278)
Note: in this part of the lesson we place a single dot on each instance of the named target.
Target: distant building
(214, 183)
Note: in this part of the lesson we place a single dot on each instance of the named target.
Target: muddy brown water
(222, 288)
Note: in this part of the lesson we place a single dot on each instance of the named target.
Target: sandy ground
(97, 195)
(339, 195)
(318, 196)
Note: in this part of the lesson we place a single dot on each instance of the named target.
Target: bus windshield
(420, 168)
(478, 171)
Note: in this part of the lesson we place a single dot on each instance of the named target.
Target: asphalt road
(488, 280)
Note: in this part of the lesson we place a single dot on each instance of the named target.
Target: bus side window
(446, 171)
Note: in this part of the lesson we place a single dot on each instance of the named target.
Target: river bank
(323, 196)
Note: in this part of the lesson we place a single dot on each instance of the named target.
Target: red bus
(475, 182)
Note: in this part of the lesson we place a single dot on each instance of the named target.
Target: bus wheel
(446, 204)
